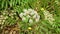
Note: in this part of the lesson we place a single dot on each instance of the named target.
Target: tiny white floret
(30, 21)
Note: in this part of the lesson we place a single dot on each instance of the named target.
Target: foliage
(12, 9)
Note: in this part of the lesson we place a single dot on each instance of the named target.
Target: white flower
(30, 21)
(35, 12)
(2, 23)
(1, 27)
(48, 16)
(23, 18)
(6, 17)
(30, 10)
(46, 13)
(38, 17)
(27, 12)
(3, 20)
(51, 19)
(32, 13)
(21, 15)
(36, 20)
(24, 14)
(24, 10)
(34, 16)
(28, 16)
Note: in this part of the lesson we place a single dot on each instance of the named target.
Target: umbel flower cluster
(29, 15)
(48, 16)
(2, 19)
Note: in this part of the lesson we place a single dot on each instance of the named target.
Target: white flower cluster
(2, 19)
(11, 13)
(30, 14)
(48, 16)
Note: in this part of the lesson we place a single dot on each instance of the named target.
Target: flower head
(29, 14)
(30, 21)
(48, 16)
(21, 15)
(23, 18)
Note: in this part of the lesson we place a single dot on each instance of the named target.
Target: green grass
(42, 27)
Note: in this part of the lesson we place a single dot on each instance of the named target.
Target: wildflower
(23, 18)
(24, 14)
(37, 18)
(35, 12)
(29, 14)
(32, 13)
(21, 15)
(48, 16)
(30, 21)
(2, 23)
(30, 10)
(34, 16)
(24, 10)
(1, 27)
(6, 17)
(29, 28)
